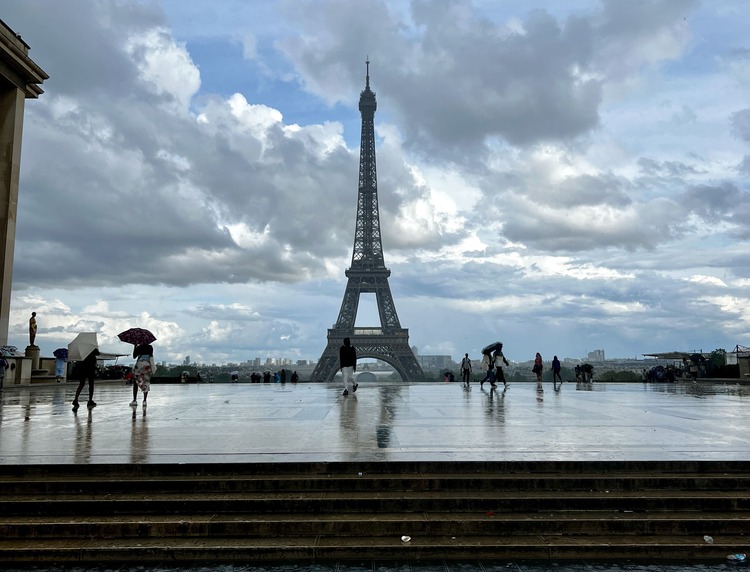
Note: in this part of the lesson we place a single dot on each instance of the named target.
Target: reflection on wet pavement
(384, 421)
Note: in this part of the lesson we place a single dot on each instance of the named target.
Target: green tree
(718, 358)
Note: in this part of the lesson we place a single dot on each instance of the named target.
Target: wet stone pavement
(231, 423)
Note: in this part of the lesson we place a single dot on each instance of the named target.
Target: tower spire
(367, 78)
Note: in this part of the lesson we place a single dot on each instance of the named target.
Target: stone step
(356, 549)
(292, 483)
(656, 511)
(387, 469)
(579, 523)
(387, 501)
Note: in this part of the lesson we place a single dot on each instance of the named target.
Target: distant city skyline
(558, 176)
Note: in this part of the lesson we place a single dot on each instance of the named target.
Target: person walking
(538, 369)
(556, 367)
(143, 369)
(348, 365)
(466, 369)
(86, 372)
(488, 365)
(59, 369)
(499, 361)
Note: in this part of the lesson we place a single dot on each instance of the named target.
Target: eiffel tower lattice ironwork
(368, 274)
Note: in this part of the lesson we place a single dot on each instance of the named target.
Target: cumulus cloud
(564, 165)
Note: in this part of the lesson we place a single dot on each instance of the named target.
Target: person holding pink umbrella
(143, 369)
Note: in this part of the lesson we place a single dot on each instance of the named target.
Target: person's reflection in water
(495, 405)
(84, 436)
(348, 421)
(139, 438)
(389, 395)
(58, 400)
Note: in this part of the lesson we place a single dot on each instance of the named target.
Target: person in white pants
(348, 364)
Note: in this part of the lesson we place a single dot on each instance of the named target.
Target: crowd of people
(493, 361)
(278, 377)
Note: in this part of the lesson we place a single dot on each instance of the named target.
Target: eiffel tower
(368, 274)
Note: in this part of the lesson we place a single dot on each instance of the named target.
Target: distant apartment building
(435, 362)
(596, 355)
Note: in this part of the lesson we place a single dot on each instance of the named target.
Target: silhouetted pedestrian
(466, 369)
(488, 365)
(538, 369)
(499, 361)
(86, 372)
(348, 365)
(556, 367)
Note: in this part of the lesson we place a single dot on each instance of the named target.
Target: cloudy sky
(563, 176)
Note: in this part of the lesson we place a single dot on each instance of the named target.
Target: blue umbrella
(61, 353)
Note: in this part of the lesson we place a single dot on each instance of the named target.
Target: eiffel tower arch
(368, 274)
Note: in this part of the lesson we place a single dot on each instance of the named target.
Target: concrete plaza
(232, 423)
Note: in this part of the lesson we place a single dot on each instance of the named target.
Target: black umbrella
(493, 347)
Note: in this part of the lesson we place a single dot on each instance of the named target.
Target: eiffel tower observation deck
(389, 342)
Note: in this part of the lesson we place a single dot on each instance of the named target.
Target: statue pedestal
(33, 353)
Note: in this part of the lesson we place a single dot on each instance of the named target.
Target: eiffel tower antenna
(368, 274)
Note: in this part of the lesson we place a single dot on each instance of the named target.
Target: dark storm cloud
(460, 79)
(721, 203)
(592, 190)
(73, 41)
(456, 79)
(127, 187)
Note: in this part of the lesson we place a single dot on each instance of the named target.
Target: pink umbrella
(136, 336)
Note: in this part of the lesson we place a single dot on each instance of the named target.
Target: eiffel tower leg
(328, 364)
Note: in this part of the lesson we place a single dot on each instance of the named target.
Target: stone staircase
(349, 511)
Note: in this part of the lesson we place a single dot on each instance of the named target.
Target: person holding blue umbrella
(61, 356)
